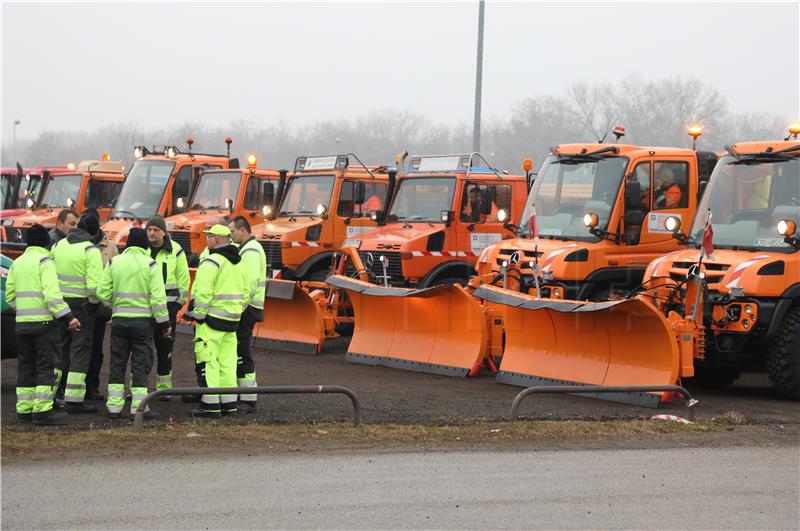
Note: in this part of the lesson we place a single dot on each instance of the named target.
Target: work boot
(50, 418)
(231, 413)
(94, 395)
(190, 398)
(202, 413)
(148, 415)
(246, 407)
(79, 407)
(24, 417)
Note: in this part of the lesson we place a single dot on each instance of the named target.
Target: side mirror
(375, 215)
(447, 217)
(358, 192)
(633, 217)
(633, 195)
(268, 194)
(701, 187)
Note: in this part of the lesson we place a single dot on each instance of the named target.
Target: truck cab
(326, 201)
(600, 211)
(21, 188)
(93, 184)
(445, 211)
(160, 181)
(245, 192)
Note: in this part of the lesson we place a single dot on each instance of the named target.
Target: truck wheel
(607, 294)
(448, 281)
(318, 276)
(783, 356)
(714, 378)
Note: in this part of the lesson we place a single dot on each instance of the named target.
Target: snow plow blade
(555, 342)
(293, 319)
(439, 330)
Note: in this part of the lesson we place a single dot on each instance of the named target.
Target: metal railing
(138, 420)
(564, 389)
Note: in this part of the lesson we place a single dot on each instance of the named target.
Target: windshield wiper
(764, 156)
(594, 156)
(118, 214)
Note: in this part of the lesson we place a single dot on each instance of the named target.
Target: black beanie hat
(89, 222)
(157, 221)
(38, 236)
(137, 238)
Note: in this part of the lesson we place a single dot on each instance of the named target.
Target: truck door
(478, 222)
(357, 199)
(100, 195)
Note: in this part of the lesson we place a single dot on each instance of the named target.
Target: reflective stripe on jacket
(132, 286)
(177, 281)
(32, 287)
(79, 267)
(254, 263)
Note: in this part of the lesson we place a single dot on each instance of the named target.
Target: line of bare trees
(654, 112)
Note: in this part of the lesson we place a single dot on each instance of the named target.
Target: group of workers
(70, 281)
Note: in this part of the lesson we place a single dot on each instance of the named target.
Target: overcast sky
(79, 66)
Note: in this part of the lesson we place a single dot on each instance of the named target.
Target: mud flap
(615, 343)
(293, 321)
(439, 330)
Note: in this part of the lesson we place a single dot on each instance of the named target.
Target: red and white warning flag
(707, 247)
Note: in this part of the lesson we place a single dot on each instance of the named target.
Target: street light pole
(14, 141)
(476, 129)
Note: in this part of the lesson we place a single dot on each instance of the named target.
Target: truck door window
(259, 193)
(100, 194)
(671, 180)
(482, 202)
(374, 195)
(182, 189)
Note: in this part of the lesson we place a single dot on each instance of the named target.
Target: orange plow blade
(615, 343)
(293, 318)
(439, 330)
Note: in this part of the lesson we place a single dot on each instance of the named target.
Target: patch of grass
(179, 437)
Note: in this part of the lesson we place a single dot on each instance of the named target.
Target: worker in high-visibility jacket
(32, 290)
(133, 287)
(174, 268)
(219, 293)
(254, 263)
(79, 265)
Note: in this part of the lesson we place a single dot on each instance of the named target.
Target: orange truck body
(578, 264)
(299, 241)
(426, 252)
(752, 295)
(159, 182)
(246, 192)
(94, 184)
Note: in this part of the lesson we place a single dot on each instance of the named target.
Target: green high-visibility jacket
(79, 266)
(32, 288)
(254, 262)
(220, 290)
(177, 278)
(133, 287)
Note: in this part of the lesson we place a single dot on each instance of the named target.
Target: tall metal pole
(476, 130)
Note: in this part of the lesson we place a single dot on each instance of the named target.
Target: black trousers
(131, 338)
(38, 346)
(163, 344)
(76, 345)
(96, 363)
(244, 339)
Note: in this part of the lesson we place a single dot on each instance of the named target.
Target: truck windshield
(747, 199)
(60, 190)
(306, 193)
(422, 199)
(215, 190)
(30, 188)
(566, 189)
(144, 188)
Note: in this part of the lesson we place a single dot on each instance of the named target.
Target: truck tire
(317, 276)
(448, 281)
(783, 356)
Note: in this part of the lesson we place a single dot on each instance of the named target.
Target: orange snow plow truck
(600, 213)
(160, 182)
(751, 299)
(249, 192)
(326, 200)
(92, 184)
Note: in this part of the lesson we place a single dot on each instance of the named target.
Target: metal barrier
(563, 389)
(138, 420)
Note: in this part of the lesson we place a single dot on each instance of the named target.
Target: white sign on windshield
(438, 163)
(320, 163)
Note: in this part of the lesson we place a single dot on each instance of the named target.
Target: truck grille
(273, 252)
(394, 268)
(182, 239)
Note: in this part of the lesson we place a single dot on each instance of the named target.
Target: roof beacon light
(251, 162)
(527, 165)
(694, 131)
(228, 142)
(106, 157)
(794, 130)
(618, 132)
(189, 142)
(71, 166)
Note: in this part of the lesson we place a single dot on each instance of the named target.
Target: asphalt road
(704, 488)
